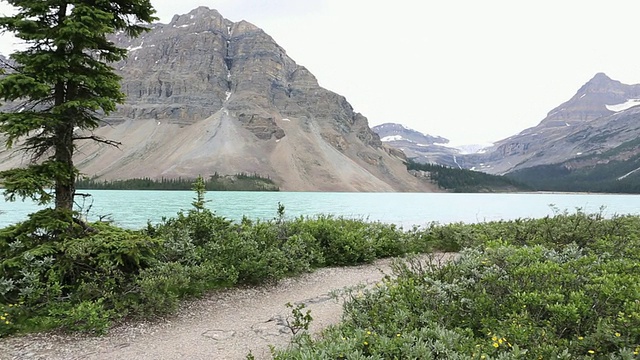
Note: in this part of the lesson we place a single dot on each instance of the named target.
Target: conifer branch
(99, 139)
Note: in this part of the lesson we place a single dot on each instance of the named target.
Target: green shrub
(553, 278)
(342, 241)
(162, 287)
(10, 317)
(59, 270)
(89, 316)
(497, 302)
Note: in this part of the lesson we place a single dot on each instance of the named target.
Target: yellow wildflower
(495, 345)
(591, 352)
(617, 334)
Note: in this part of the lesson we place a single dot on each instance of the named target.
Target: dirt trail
(223, 325)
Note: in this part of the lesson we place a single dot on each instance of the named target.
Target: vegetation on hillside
(463, 180)
(238, 182)
(607, 174)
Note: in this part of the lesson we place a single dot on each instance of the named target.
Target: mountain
(424, 148)
(207, 95)
(398, 132)
(601, 116)
(614, 171)
(419, 147)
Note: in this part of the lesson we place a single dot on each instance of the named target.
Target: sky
(470, 71)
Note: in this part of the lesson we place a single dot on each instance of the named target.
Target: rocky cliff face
(207, 95)
(601, 115)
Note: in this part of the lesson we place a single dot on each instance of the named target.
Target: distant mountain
(397, 132)
(423, 148)
(206, 95)
(614, 171)
(601, 116)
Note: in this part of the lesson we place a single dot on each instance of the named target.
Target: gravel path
(223, 325)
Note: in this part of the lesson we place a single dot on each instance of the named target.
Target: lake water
(132, 209)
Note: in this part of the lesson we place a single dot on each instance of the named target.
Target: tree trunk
(65, 179)
(63, 133)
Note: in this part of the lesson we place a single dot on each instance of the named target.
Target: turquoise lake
(132, 209)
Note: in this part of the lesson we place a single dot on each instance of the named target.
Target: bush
(553, 278)
(497, 302)
(82, 277)
(58, 270)
(342, 241)
(162, 287)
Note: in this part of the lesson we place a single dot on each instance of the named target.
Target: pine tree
(62, 85)
(200, 187)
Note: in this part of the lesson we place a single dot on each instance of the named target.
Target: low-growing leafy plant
(299, 320)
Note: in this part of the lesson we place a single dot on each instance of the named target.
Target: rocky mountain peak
(398, 132)
(417, 146)
(601, 83)
(595, 99)
(602, 114)
(602, 78)
(208, 95)
(199, 14)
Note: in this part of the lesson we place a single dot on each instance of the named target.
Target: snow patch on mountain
(393, 138)
(470, 148)
(627, 174)
(624, 106)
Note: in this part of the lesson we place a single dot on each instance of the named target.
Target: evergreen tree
(200, 187)
(63, 85)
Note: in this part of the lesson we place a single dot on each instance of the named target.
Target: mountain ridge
(592, 120)
(207, 95)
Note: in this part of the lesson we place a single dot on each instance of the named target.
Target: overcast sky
(471, 71)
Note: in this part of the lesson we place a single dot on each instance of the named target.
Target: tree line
(216, 182)
(463, 180)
